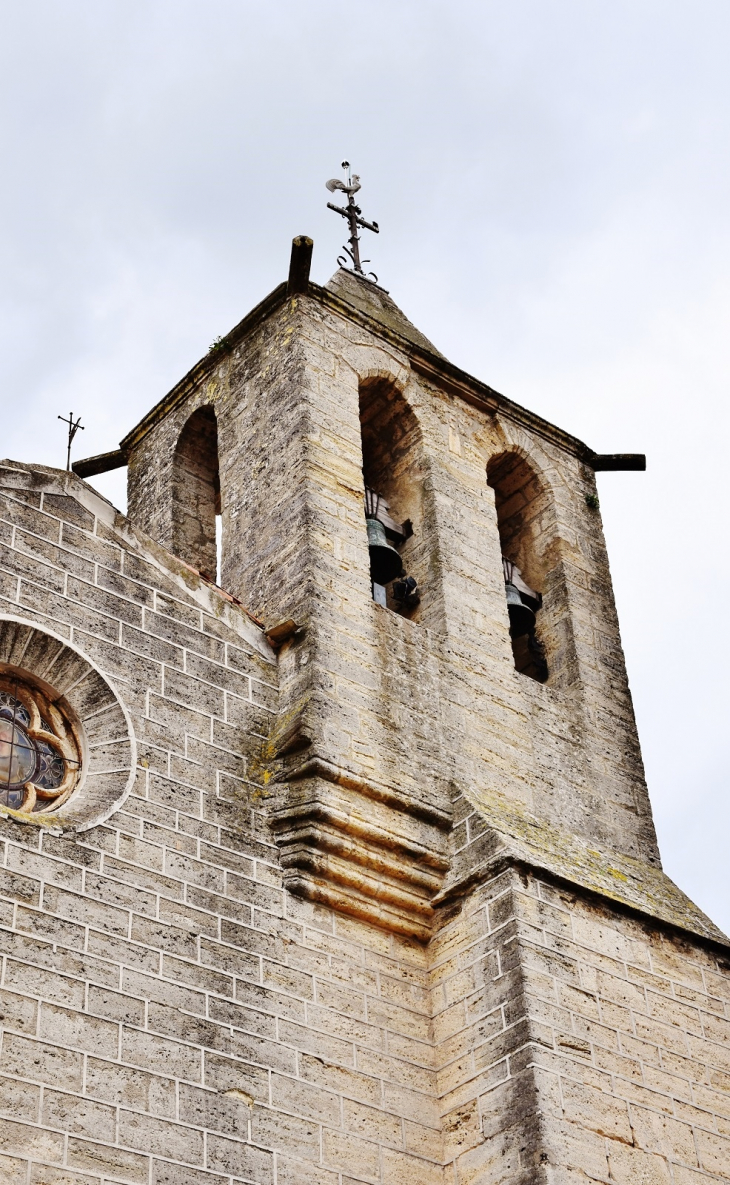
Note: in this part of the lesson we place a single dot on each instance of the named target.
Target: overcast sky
(551, 179)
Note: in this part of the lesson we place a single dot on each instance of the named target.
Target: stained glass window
(39, 753)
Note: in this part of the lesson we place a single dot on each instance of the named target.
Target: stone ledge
(360, 847)
(516, 836)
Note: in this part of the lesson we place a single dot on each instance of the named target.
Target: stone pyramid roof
(375, 302)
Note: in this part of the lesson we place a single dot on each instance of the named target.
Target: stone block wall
(172, 1015)
(287, 399)
(377, 909)
(575, 1043)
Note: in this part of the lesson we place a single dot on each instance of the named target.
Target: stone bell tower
(354, 880)
(468, 805)
(397, 722)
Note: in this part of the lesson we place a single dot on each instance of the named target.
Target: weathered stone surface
(378, 907)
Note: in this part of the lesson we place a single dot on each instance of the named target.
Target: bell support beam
(101, 463)
(299, 265)
(617, 462)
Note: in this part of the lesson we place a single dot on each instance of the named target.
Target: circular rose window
(39, 755)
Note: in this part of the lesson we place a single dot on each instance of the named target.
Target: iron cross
(353, 214)
(73, 427)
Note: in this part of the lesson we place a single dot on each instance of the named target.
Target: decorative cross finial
(353, 214)
(73, 427)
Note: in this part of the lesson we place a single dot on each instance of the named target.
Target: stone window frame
(101, 721)
(374, 382)
(40, 730)
(195, 491)
(555, 617)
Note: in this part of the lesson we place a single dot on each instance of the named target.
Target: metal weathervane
(353, 214)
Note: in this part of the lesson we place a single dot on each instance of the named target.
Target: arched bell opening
(523, 518)
(393, 476)
(196, 494)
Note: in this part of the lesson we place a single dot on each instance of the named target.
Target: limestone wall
(576, 1044)
(373, 906)
(173, 1015)
(450, 709)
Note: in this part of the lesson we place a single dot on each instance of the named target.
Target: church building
(327, 853)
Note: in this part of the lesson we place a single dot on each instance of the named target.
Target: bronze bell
(521, 617)
(385, 562)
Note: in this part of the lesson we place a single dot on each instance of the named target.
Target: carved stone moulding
(360, 847)
(67, 748)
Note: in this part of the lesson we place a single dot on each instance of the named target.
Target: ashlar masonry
(346, 883)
